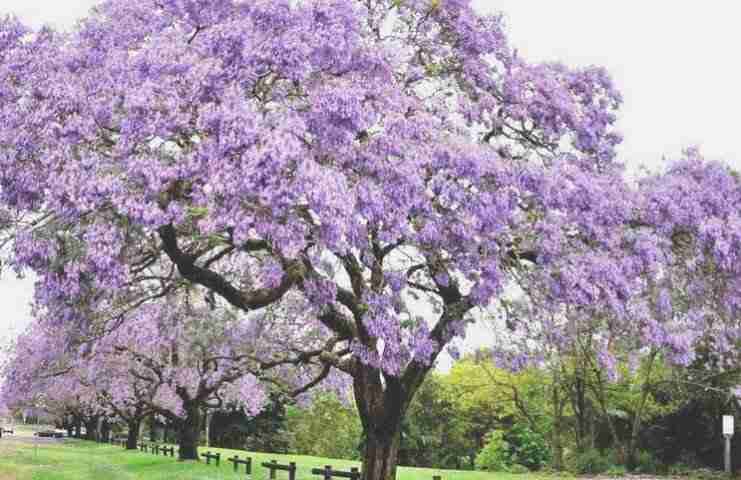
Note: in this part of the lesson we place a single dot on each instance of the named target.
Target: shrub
(679, 469)
(616, 471)
(495, 455)
(590, 461)
(646, 462)
(519, 469)
(527, 447)
(517, 448)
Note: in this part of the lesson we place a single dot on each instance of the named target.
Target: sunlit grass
(80, 460)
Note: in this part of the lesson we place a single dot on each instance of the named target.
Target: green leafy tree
(491, 398)
(326, 428)
(429, 441)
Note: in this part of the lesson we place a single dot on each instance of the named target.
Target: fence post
(356, 474)
(272, 470)
(328, 472)
(292, 471)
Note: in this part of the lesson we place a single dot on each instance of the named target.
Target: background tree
(426, 441)
(203, 362)
(328, 427)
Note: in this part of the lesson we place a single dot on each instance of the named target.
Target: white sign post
(727, 434)
(728, 425)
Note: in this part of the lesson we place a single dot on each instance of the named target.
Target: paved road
(26, 439)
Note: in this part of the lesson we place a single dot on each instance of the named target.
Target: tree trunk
(557, 430)
(132, 439)
(598, 388)
(635, 429)
(105, 431)
(78, 427)
(91, 429)
(190, 433)
(631, 454)
(382, 403)
(380, 456)
(152, 428)
(578, 397)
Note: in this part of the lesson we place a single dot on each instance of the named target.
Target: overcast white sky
(677, 64)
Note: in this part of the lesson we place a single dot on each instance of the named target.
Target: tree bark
(382, 402)
(190, 432)
(557, 430)
(380, 456)
(105, 431)
(583, 414)
(631, 455)
(132, 439)
(91, 429)
(598, 388)
(152, 429)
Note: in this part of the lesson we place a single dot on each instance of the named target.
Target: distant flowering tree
(168, 358)
(122, 396)
(379, 170)
(675, 265)
(674, 268)
(43, 375)
(176, 362)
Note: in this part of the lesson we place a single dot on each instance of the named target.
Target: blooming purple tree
(672, 265)
(373, 172)
(180, 362)
(171, 359)
(676, 282)
(38, 378)
(121, 394)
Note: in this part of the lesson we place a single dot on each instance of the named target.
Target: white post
(727, 434)
(208, 428)
(727, 455)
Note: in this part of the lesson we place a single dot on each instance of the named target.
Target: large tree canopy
(375, 170)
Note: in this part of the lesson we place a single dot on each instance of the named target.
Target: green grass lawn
(80, 460)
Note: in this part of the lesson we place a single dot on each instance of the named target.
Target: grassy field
(80, 460)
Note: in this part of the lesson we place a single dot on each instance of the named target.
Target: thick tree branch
(245, 301)
(318, 379)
